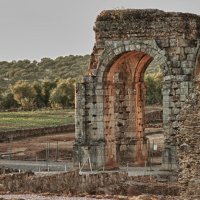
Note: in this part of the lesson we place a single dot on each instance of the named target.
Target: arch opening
(124, 114)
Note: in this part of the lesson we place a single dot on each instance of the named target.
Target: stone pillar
(79, 150)
(89, 142)
(142, 153)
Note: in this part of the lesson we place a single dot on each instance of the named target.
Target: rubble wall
(23, 133)
(153, 116)
(110, 105)
(64, 183)
(188, 150)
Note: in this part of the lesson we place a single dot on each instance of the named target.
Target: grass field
(35, 119)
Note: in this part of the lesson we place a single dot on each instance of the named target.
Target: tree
(24, 94)
(47, 86)
(153, 88)
(39, 99)
(1, 97)
(64, 93)
(9, 101)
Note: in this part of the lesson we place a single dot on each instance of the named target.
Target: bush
(153, 88)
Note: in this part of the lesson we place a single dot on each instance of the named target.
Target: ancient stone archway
(110, 101)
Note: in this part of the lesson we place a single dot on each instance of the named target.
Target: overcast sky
(33, 29)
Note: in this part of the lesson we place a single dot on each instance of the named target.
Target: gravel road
(34, 166)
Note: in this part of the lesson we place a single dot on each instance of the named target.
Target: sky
(33, 29)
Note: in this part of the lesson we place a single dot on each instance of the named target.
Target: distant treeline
(57, 93)
(64, 67)
(50, 83)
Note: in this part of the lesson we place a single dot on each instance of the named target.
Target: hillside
(64, 67)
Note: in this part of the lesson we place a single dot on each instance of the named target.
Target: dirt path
(34, 148)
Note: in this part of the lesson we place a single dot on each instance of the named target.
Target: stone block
(184, 91)
(173, 43)
(176, 64)
(89, 93)
(166, 104)
(166, 92)
(79, 121)
(184, 64)
(80, 112)
(183, 42)
(187, 71)
(175, 85)
(80, 105)
(184, 85)
(190, 64)
(180, 78)
(118, 116)
(99, 86)
(163, 43)
(130, 97)
(176, 71)
(130, 109)
(90, 99)
(131, 91)
(100, 44)
(92, 112)
(88, 79)
(178, 50)
(166, 111)
(130, 122)
(191, 57)
(171, 104)
(182, 98)
(130, 134)
(166, 98)
(123, 147)
(177, 92)
(109, 117)
(94, 118)
(175, 124)
(80, 133)
(175, 111)
(191, 84)
(190, 50)
(168, 78)
(99, 92)
(89, 86)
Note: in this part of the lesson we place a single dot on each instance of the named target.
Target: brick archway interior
(124, 114)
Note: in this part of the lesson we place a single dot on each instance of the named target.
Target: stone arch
(134, 141)
(115, 38)
(114, 49)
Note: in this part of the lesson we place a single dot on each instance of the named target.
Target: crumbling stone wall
(188, 151)
(154, 116)
(110, 119)
(60, 183)
(23, 133)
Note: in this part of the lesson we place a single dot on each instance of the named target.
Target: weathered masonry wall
(110, 119)
(60, 183)
(22, 133)
(188, 150)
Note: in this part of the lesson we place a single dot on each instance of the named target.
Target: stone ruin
(188, 147)
(110, 103)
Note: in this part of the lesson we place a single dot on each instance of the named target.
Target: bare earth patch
(33, 148)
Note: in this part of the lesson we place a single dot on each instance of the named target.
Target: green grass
(35, 119)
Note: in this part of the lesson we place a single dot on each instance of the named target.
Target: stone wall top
(133, 23)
